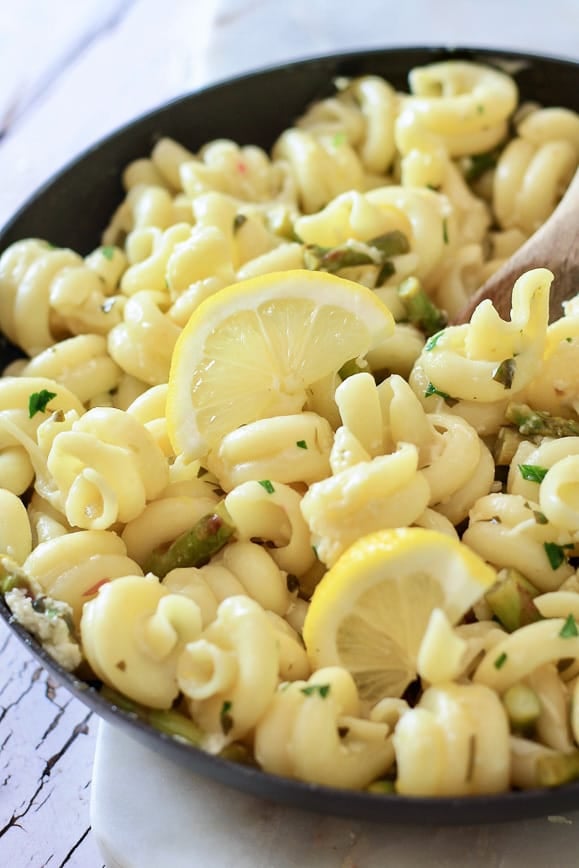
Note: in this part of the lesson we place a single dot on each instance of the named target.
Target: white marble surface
(70, 73)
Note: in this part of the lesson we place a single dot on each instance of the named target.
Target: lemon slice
(252, 350)
(371, 609)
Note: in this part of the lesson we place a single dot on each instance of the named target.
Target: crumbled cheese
(50, 629)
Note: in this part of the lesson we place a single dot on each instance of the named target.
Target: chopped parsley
(533, 472)
(540, 517)
(556, 553)
(432, 341)
(500, 661)
(38, 400)
(505, 373)
(225, 717)
(569, 628)
(432, 390)
(108, 252)
(301, 444)
(445, 230)
(339, 139)
(321, 689)
(569, 340)
(265, 483)
(480, 109)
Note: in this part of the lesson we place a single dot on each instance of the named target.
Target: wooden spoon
(555, 245)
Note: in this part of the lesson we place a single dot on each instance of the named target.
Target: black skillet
(71, 211)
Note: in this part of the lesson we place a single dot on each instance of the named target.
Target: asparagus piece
(168, 721)
(511, 600)
(333, 259)
(350, 368)
(194, 547)
(539, 423)
(507, 442)
(381, 787)
(11, 581)
(175, 724)
(237, 753)
(557, 769)
(377, 251)
(391, 244)
(420, 309)
(478, 164)
(523, 707)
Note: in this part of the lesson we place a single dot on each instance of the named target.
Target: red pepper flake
(241, 167)
(90, 592)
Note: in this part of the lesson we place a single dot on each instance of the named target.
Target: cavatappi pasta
(469, 431)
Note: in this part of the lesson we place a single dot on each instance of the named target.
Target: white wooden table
(71, 72)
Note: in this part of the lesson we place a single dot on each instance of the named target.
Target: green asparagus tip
(539, 423)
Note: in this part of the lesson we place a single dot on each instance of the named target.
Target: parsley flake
(505, 373)
(339, 139)
(225, 717)
(500, 661)
(432, 390)
(480, 109)
(108, 252)
(556, 553)
(321, 689)
(533, 472)
(540, 517)
(265, 483)
(569, 628)
(301, 444)
(445, 231)
(38, 400)
(569, 340)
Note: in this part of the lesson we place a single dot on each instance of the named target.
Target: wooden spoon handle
(555, 245)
